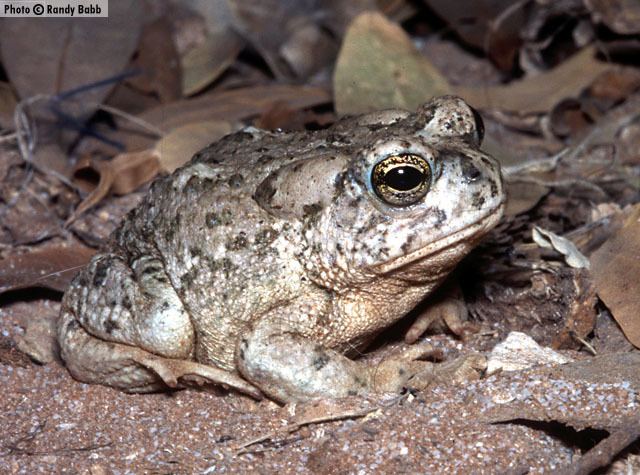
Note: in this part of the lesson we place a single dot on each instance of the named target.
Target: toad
(271, 258)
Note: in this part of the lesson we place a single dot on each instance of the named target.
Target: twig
(294, 427)
(604, 451)
(584, 342)
(240, 448)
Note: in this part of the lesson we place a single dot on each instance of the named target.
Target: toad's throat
(477, 229)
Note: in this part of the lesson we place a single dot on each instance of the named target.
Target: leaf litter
(561, 108)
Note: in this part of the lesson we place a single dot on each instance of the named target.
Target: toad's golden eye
(401, 180)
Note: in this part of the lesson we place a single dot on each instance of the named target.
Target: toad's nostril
(470, 171)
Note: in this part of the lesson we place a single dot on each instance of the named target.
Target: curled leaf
(121, 175)
(572, 256)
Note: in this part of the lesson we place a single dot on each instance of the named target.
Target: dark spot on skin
(486, 161)
(100, 273)
(477, 200)
(235, 181)
(338, 184)
(171, 232)
(354, 203)
(195, 251)
(265, 191)
(197, 183)
(469, 171)
(401, 371)
(110, 325)
(352, 392)
(240, 137)
(360, 382)
(238, 242)
(151, 269)
(73, 325)
(266, 236)
(405, 144)
(494, 188)
(440, 216)
(188, 278)
(428, 115)
(81, 279)
(225, 265)
(211, 220)
(406, 246)
(165, 305)
(311, 211)
(321, 360)
(225, 217)
(126, 302)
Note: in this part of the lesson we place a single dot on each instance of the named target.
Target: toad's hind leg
(126, 327)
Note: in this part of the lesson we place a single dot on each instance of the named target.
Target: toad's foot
(465, 368)
(446, 307)
(133, 369)
(407, 370)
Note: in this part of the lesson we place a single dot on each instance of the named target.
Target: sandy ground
(508, 423)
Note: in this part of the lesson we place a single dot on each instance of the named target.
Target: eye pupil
(404, 178)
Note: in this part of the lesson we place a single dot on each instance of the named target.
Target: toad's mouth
(484, 224)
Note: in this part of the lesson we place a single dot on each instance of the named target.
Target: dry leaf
(50, 265)
(541, 92)
(204, 63)
(496, 25)
(158, 61)
(232, 105)
(616, 271)
(523, 196)
(7, 105)
(549, 240)
(179, 145)
(379, 68)
(65, 53)
(121, 175)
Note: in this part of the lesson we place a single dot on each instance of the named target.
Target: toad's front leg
(289, 367)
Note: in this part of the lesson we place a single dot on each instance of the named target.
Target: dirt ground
(533, 421)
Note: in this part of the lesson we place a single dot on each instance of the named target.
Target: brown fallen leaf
(51, 265)
(616, 272)
(541, 92)
(120, 175)
(8, 104)
(523, 196)
(379, 68)
(496, 26)
(180, 144)
(580, 319)
(204, 63)
(157, 60)
(231, 105)
(65, 53)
